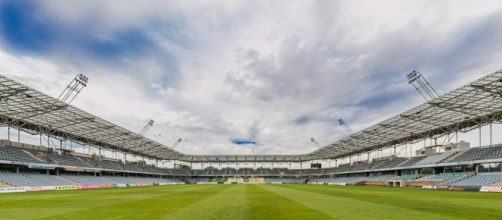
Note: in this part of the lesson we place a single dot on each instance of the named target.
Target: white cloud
(249, 69)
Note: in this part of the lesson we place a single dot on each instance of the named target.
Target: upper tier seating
(386, 164)
(359, 166)
(411, 161)
(132, 167)
(67, 160)
(434, 159)
(218, 172)
(16, 154)
(179, 172)
(480, 153)
(201, 172)
(103, 163)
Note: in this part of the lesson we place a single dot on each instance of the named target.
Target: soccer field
(251, 202)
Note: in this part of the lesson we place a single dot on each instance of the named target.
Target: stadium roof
(31, 110)
(467, 107)
(470, 106)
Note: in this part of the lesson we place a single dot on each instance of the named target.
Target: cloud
(275, 73)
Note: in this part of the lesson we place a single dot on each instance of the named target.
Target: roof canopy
(467, 107)
(470, 106)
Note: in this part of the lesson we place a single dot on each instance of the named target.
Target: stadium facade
(53, 165)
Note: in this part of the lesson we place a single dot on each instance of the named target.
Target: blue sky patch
(23, 27)
(240, 141)
(302, 120)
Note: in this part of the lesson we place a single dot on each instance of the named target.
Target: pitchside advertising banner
(73, 187)
(491, 189)
(65, 187)
(12, 189)
(91, 186)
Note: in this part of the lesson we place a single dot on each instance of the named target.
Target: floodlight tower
(422, 86)
(68, 95)
(146, 127)
(176, 143)
(315, 142)
(345, 126)
(74, 88)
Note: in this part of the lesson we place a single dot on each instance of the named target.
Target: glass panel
(483, 168)
(495, 167)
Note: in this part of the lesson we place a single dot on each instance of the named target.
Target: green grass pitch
(251, 202)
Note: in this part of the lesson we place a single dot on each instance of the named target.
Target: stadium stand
(481, 179)
(379, 172)
(407, 177)
(67, 160)
(31, 179)
(379, 178)
(284, 180)
(391, 163)
(345, 180)
(434, 159)
(218, 172)
(17, 154)
(446, 176)
(479, 153)
(104, 163)
(498, 183)
(87, 179)
(411, 161)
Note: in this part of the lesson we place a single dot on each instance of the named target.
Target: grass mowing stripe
(44, 204)
(346, 208)
(266, 205)
(456, 204)
(251, 202)
(230, 203)
(83, 204)
(165, 201)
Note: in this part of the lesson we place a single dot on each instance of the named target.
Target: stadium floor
(251, 202)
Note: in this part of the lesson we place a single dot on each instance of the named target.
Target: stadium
(438, 159)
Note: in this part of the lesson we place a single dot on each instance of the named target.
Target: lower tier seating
(482, 179)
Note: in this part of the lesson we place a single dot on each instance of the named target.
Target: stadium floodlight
(345, 126)
(315, 142)
(421, 84)
(176, 143)
(74, 88)
(147, 127)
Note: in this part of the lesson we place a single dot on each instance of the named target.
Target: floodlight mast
(74, 88)
(146, 127)
(315, 142)
(176, 143)
(345, 126)
(422, 86)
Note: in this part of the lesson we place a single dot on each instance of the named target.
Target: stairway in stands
(460, 153)
(31, 155)
(66, 180)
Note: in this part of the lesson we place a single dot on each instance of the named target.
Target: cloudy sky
(248, 76)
